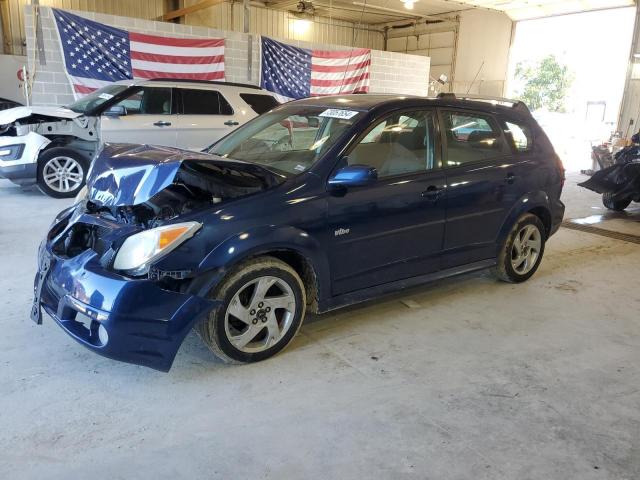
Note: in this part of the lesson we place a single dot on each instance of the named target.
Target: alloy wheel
(260, 314)
(63, 174)
(526, 249)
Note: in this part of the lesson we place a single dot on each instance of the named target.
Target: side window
(259, 103)
(399, 144)
(204, 102)
(520, 135)
(148, 101)
(471, 138)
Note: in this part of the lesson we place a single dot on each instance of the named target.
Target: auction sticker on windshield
(338, 113)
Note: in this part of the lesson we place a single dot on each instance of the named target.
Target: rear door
(204, 116)
(150, 118)
(483, 184)
(392, 229)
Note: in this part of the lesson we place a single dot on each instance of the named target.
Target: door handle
(231, 123)
(510, 178)
(162, 123)
(432, 193)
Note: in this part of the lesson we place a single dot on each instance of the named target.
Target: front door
(482, 185)
(149, 119)
(392, 229)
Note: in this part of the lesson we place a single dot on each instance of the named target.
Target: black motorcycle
(619, 183)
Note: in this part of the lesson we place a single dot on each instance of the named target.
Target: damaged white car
(53, 146)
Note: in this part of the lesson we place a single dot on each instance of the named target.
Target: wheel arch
(291, 245)
(71, 142)
(544, 214)
(538, 204)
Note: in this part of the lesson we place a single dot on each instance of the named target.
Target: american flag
(292, 72)
(96, 54)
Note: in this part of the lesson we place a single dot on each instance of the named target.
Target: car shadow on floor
(316, 328)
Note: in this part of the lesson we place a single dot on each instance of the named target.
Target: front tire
(263, 306)
(522, 252)
(62, 172)
(616, 205)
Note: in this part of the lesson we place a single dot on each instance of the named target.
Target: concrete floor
(477, 380)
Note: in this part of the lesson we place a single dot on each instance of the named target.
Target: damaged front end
(620, 183)
(98, 275)
(26, 131)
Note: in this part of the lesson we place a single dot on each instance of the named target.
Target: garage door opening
(571, 71)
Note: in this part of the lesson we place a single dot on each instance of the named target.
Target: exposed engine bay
(26, 132)
(144, 194)
(196, 185)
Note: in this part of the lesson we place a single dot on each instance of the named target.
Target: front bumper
(557, 214)
(144, 323)
(21, 174)
(23, 169)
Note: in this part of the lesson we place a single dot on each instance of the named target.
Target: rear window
(204, 102)
(259, 103)
(520, 135)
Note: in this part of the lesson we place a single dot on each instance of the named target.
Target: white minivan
(53, 146)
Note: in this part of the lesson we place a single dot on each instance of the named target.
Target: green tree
(545, 84)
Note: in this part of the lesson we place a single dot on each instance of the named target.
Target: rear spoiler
(517, 105)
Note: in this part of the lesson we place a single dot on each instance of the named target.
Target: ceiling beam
(181, 12)
(346, 8)
(408, 14)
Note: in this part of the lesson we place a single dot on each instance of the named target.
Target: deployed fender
(262, 240)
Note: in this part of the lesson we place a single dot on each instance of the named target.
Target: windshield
(97, 98)
(290, 139)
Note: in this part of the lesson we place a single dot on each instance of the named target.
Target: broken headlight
(140, 250)
(11, 152)
(82, 194)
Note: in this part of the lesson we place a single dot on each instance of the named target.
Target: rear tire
(263, 306)
(522, 251)
(616, 205)
(62, 172)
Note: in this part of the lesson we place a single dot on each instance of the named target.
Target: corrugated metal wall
(147, 9)
(281, 24)
(224, 16)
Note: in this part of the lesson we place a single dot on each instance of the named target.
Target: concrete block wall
(433, 41)
(390, 72)
(393, 72)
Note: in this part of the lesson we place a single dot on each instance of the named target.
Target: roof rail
(517, 105)
(205, 82)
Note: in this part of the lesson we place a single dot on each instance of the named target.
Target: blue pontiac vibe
(316, 204)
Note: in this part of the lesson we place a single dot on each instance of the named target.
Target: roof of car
(371, 101)
(188, 83)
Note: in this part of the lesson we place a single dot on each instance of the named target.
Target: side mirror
(354, 176)
(313, 122)
(115, 111)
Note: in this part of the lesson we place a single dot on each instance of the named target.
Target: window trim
(437, 138)
(493, 122)
(181, 103)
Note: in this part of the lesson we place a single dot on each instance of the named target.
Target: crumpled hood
(12, 114)
(127, 174)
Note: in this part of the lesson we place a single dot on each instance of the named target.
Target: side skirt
(375, 292)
